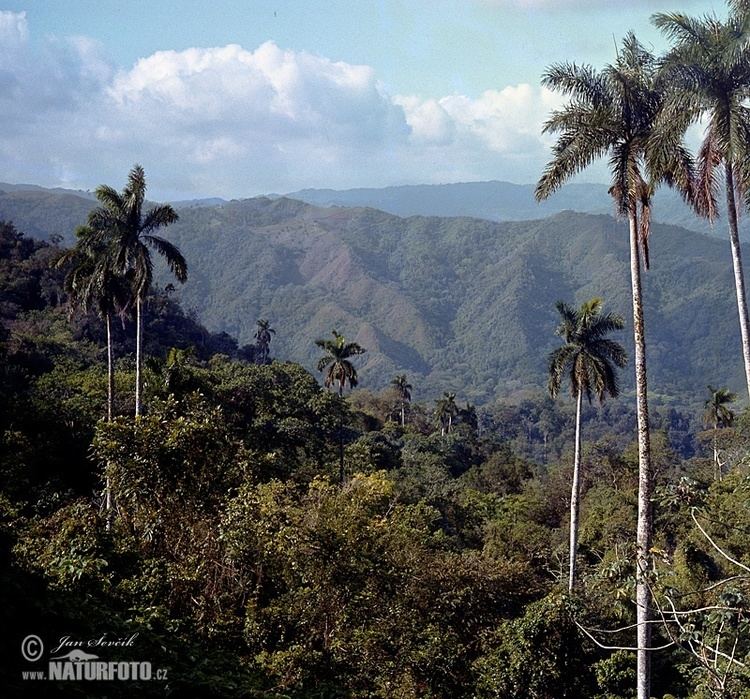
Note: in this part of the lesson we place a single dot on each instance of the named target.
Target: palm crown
(129, 233)
(619, 112)
(588, 356)
(402, 386)
(338, 353)
(91, 282)
(718, 414)
(709, 71)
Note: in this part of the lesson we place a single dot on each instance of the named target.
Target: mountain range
(459, 303)
(504, 201)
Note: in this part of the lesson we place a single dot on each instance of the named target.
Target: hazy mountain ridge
(504, 201)
(457, 303)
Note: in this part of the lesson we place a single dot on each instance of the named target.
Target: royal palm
(590, 360)
(708, 69)
(128, 233)
(618, 113)
(403, 388)
(263, 340)
(92, 284)
(336, 362)
(445, 410)
(718, 414)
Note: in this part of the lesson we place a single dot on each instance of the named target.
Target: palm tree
(337, 361)
(263, 340)
(621, 113)
(718, 415)
(590, 359)
(403, 389)
(709, 69)
(338, 353)
(445, 410)
(91, 283)
(129, 236)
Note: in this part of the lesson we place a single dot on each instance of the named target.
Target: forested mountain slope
(457, 303)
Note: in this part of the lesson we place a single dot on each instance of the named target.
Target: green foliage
(538, 656)
(312, 555)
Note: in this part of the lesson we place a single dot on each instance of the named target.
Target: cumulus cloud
(232, 121)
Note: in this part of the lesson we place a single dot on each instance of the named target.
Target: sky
(237, 98)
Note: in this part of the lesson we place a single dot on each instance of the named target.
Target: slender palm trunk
(403, 414)
(739, 276)
(138, 354)
(645, 475)
(110, 370)
(110, 402)
(716, 450)
(575, 494)
(342, 474)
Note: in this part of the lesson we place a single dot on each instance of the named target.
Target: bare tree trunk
(739, 276)
(645, 475)
(575, 494)
(403, 414)
(138, 354)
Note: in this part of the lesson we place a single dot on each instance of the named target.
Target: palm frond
(581, 82)
(158, 216)
(174, 258)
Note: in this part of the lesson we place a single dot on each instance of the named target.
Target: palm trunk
(575, 494)
(739, 277)
(403, 414)
(110, 402)
(342, 474)
(110, 370)
(645, 475)
(716, 450)
(138, 354)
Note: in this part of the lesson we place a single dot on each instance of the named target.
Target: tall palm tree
(403, 389)
(708, 67)
(121, 224)
(263, 340)
(338, 353)
(621, 113)
(339, 369)
(718, 415)
(92, 284)
(590, 359)
(445, 410)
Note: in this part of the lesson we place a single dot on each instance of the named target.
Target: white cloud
(14, 29)
(234, 122)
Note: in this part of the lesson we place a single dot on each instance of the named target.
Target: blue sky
(241, 98)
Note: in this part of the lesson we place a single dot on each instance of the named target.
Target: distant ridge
(503, 201)
(8, 187)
